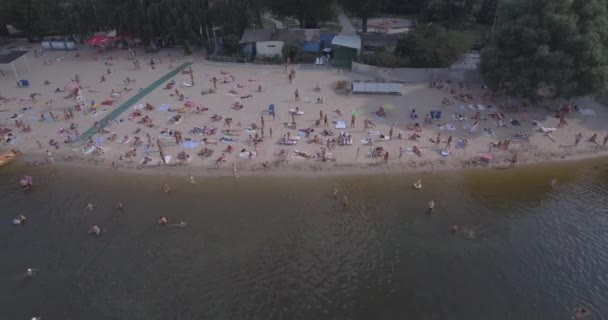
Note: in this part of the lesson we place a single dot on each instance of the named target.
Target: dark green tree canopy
(551, 48)
(308, 13)
(432, 46)
(364, 9)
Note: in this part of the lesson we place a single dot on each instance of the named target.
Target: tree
(308, 13)
(487, 12)
(549, 48)
(364, 9)
(432, 46)
(450, 12)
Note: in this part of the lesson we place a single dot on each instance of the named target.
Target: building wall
(269, 48)
(418, 74)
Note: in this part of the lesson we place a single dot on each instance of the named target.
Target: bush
(291, 50)
(432, 46)
(383, 59)
(231, 44)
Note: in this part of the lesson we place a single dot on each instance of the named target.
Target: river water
(282, 248)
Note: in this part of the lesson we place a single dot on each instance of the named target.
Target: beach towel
(245, 155)
(460, 144)
(164, 107)
(435, 114)
(106, 102)
(186, 85)
(587, 112)
(189, 144)
(545, 129)
(23, 83)
(271, 109)
(448, 127)
(99, 140)
(137, 107)
(299, 113)
(340, 124)
(444, 153)
(481, 107)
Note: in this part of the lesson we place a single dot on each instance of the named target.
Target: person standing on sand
(270, 131)
(297, 95)
(49, 157)
(438, 140)
(234, 172)
(325, 123)
(593, 139)
(390, 134)
(214, 83)
(386, 157)
(513, 160)
(352, 121)
(448, 143)
(605, 140)
(262, 122)
(345, 202)
(320, 115)
(400, 152)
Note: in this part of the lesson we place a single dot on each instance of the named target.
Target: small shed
(12, 56)
(346, 48)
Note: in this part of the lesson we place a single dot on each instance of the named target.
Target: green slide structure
(127, 104)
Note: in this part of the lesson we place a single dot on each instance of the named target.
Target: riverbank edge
(316, 169)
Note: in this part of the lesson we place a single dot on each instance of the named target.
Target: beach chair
(23, 83)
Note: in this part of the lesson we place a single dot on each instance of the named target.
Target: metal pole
(27, 64)
(15, 71)
(495, 17)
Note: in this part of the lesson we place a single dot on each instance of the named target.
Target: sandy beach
(191, 130)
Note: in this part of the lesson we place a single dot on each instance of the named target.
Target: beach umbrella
(387, 106)
(98, 40)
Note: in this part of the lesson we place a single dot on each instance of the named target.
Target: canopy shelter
(99, 40)
(11, 57)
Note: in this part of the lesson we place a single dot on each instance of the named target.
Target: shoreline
(311, 170)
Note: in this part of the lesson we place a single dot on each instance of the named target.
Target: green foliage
(451, 13)
(554, 48)
(291, 50)
(363, 9)
(487, 12)
(231, 44)
(309, 13)
(383, 59)
(432, 46)
(405, 6)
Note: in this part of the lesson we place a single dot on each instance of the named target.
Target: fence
(418, 74)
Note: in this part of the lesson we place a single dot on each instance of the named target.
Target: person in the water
(20, 219)
(94, 230)
(162, 221)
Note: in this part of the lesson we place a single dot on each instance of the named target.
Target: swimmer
(162, 221)
(454, 228)
(36, 318)
(94, 230)
(581, 313)
(345, 202)
(20, 219)
(29, 273)
(192, 180)
(335, 195)
(418, 184)
(181, 224)
(431, 206)
(90, 206)
(554, 183)
(167, 189)
(121, 207)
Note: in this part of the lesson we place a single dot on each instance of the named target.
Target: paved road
(347, 26)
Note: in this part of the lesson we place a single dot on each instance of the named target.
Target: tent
(11, 57)
(98, 40)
